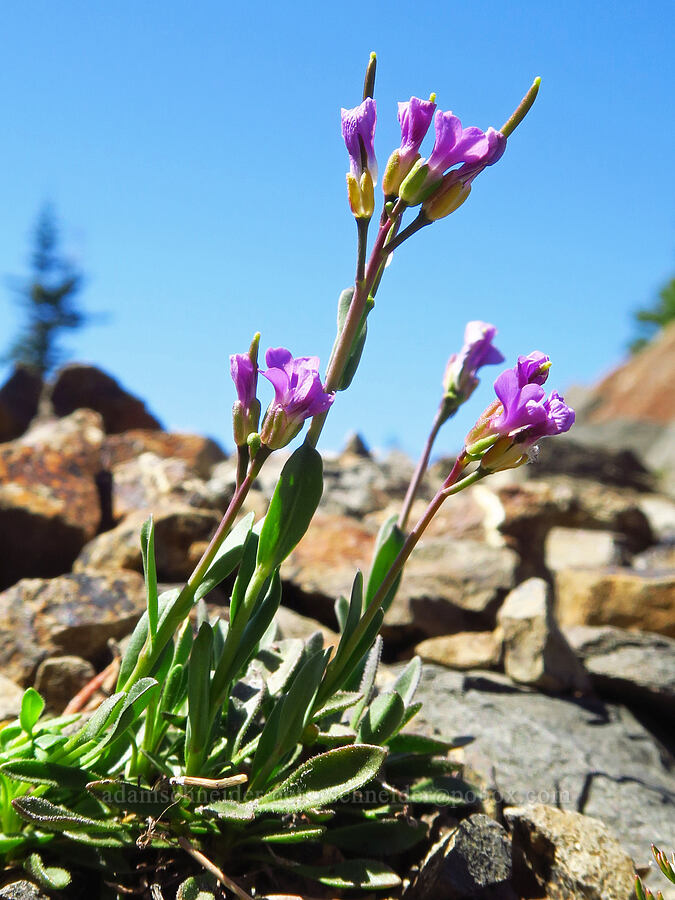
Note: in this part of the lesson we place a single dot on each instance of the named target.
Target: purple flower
(298, 395)
(460, 379)
(533, 368)
(455, 144)
(358, 131)
(415, 117)
(527, 413)
(245, 377)
(496, 145)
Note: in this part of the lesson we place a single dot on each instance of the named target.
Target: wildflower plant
(223, 748)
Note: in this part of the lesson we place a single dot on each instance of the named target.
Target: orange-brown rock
(200, 453)
(19, 398)
(621, 597)
(49, 508)
(71, 615)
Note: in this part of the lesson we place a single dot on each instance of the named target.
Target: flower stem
(421, 468)
(416, 225)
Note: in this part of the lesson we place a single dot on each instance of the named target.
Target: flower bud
(449, 197)
(361, 195)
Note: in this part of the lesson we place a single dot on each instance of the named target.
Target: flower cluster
(522, 415)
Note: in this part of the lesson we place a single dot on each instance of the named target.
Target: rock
(473, 862)
(292, 625)
(581, 755)
(176, 529)
(634, 667)
(535, 650)
(19, 399)
(581, 547)
(567, 456)
(361, 485)
(355, 446)
(448, 585)
(49, 508)
(660, 513)
(658, 559)
(532, 509)
(22, 890)
(10, 698)
(147, 482)
(200, 453)
(78, 435)
(71, 615)
(76, 386)
(466, 650)
(620, 597)
(565, 856)
(59, 678)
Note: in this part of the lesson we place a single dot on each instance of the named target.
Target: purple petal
(358, 131)
(278, 357)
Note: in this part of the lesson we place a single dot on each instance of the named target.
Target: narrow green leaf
(382, 718)
(410, 766)
(150, 573)
(135, 701)
(32, 706)
(277, 666)
(407, 682)
(340, 701)
(389, 543)
(419, 743)
(288, 834)
(57, 818)
(443, 790)
(324, 779)
(292, 507)
(344, 302)
(338, 735)
(241, 713)
(367, 681)
(51, 878)
(175, 689)
(386, 836)
(36, 771)
(199, 685)
(166, 602)
(227, 558)
(231, 810)
(133, 798)
(361, 874)
(245, 573)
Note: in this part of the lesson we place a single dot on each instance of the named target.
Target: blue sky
(194, 156)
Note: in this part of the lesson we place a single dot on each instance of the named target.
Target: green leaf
(51, 878)
(414, 765)
(150, 573)
(344, 302)
(241, 713)
(390, 541)
(133, 798)
(324, 778)
(32, 705)
(231, 810)
(443, 790)
(362, 874)
(36, 771)
(340, 701)
(174, 690)
(41, 812)
(166, 603)
(199, 684)
(135, 701)
(285, 725)
(227, 558)
(418, 743)
(382, 718)
(292, 507)
(286, 834)
(337, 735)
(277, 666)
(244, 575)
(407, 682)
(367, 681)
(386, 836)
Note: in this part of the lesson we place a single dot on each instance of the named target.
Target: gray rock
(565, 856)
(355, 445)
(658, 559)
(535, 650)
(635, 667)
(59, 678)
(148, 481)
(71, 615)
(473, 862)
(567, 456)
(466, 650)
(660, 513)
(584, 756)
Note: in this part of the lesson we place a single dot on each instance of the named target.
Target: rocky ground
(543, 601)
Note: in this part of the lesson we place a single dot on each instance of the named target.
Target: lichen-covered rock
(71, 615)
(177, 528)
(625, 598)
(566, 548)
(49, 508)
(200, 453)
(148, 482)
(10, 698)
(564, 855)
(77, 386)
(535, 650)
